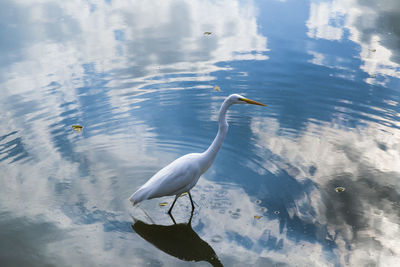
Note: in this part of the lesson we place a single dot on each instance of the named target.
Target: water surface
(311, 180)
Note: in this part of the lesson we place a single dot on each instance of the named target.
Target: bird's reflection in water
(178, 240)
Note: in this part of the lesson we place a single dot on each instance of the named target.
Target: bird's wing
(173, 177)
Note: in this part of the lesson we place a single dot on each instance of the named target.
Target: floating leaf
(162, 204)
(339, 189)
(276, 212)
(216, 88)
(184, 194)
(257, 217)
(207, 33)
(77, 128)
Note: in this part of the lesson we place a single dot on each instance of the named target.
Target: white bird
(182, 174)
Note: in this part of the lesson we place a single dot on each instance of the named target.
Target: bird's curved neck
(211, 152)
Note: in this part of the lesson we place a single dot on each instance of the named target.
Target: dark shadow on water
(178, 240)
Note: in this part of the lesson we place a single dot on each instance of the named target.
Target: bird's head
(238, 99)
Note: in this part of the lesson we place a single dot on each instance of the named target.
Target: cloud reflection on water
(362, 220)
(370, 24)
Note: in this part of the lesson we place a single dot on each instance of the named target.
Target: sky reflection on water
(140, 78)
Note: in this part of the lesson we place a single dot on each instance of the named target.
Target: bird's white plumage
(174, 179)
(183, 173)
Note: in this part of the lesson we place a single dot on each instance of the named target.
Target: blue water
(313, 179)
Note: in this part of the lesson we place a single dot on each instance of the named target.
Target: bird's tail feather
(140, 195)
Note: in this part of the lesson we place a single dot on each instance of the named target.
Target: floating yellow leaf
(207, 33)
(339, 189)
(77, 128)
(216, 88)
(257, 217)
(183, 194)
(162, 204)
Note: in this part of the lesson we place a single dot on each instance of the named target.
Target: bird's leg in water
(173, 203)
(191, 201)
(173, 220)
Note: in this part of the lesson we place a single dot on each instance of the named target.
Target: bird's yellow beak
(249, 101)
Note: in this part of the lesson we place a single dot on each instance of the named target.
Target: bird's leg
(191, 200)
(173, 203)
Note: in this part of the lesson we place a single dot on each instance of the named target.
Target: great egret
(183, 173)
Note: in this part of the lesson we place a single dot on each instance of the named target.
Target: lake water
(313, 179)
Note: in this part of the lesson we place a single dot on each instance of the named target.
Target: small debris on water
(77, 128)
(162, 204)
(339, 189)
